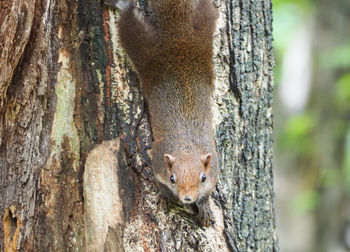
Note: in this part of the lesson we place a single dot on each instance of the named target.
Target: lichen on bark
(244, 135)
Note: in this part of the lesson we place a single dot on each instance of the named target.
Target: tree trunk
(75, 171)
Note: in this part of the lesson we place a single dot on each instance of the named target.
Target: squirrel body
(172, 54)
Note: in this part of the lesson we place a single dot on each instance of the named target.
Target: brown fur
(172, 53)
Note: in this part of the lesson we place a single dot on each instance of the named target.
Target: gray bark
(66, 89)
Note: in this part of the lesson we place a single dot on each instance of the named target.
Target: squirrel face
(188, 177)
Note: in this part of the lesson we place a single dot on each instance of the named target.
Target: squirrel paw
(205, 216)
(163, 203)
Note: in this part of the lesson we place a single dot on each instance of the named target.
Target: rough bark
(66, 89)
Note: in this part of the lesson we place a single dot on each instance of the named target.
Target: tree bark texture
(75, 170)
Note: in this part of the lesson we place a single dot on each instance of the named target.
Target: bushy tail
(137, 35)
(173, 21)
(184, 17)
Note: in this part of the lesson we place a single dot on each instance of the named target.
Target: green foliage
(337, 57)
(287, 18)
(289, 15)
(306, 5)
(296, 135)
(343, 90)
(305, 201)
(329, 177)
(315, 144)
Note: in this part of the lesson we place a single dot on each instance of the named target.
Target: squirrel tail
(137, 35)
(172, 21)
(181, 18)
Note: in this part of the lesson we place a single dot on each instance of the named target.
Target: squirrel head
(188, 176)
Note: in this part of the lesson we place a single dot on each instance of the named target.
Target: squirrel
(172, 53)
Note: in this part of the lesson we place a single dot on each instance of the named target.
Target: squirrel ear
(206, 158)
(169, 161)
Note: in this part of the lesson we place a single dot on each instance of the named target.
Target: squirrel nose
(188, 198)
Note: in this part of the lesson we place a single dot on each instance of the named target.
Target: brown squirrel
(172, 53)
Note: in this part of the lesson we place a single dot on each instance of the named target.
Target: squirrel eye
(172, 179)
(203, 177)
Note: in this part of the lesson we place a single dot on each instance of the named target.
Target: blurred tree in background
(312, 124)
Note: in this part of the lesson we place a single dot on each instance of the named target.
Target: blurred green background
(312, 124)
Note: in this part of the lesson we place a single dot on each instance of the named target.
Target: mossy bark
(66, 89)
